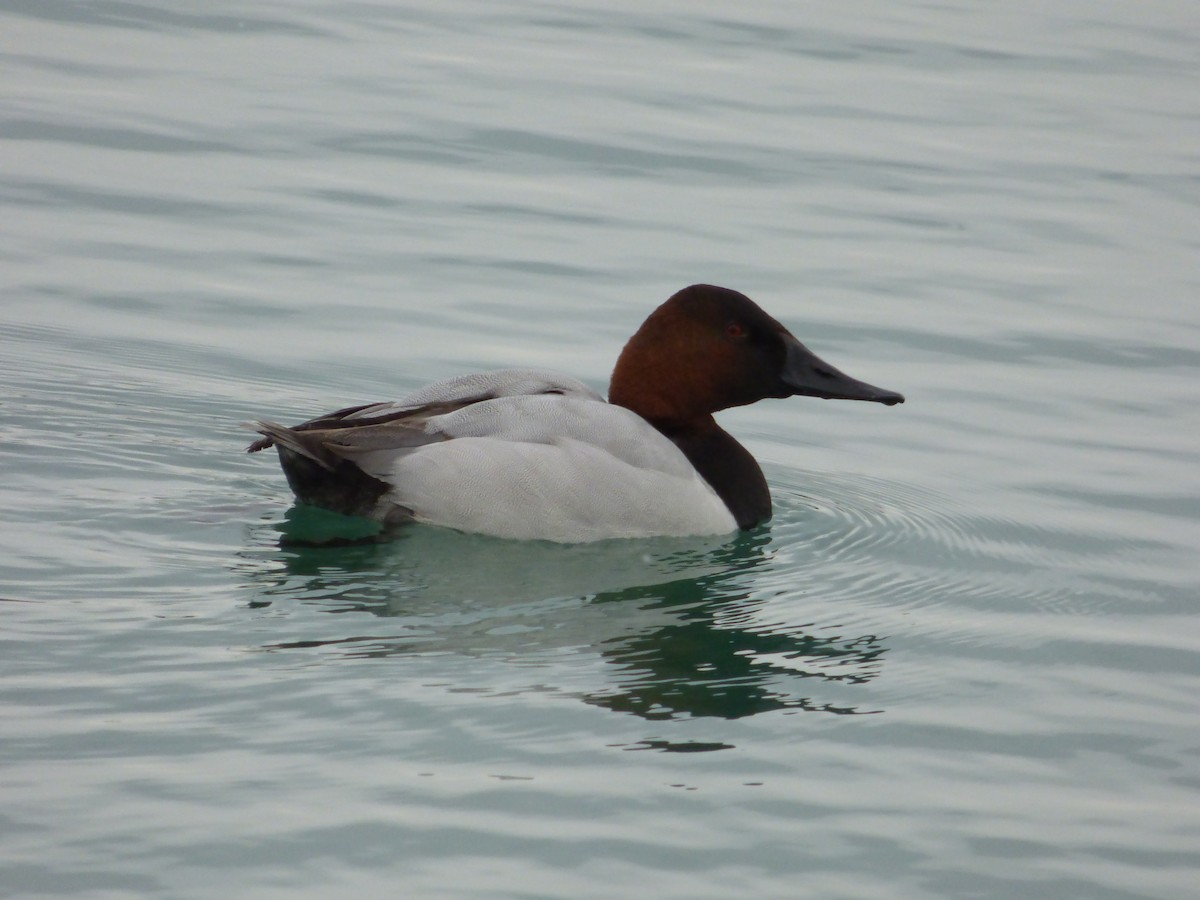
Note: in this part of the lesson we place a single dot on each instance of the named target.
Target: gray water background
(962, 661)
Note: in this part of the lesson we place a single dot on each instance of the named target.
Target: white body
(547, 459)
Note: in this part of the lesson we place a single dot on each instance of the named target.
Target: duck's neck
(726, 465)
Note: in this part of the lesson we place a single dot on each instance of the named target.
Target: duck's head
(708, 348)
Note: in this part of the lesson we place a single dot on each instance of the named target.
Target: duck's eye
(735, 329)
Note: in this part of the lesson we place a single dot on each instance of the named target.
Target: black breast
(730, 470)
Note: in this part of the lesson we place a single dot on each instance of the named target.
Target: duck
(528, 454)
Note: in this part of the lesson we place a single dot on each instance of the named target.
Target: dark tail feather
(307, 445)
(320, 478)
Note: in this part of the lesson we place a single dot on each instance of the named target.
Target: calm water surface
(962, 661)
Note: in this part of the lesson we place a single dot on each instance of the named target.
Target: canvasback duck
(527, 454)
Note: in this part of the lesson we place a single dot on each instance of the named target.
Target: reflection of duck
(521, 453)
(702, 665)
(678, 626)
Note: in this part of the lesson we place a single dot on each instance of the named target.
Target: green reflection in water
(683, 624)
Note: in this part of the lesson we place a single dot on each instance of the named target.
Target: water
(961, 661)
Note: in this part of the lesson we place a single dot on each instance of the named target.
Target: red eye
(735, 329)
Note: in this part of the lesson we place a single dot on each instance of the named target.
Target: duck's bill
(807, 374)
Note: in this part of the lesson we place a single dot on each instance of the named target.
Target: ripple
(893, 545)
